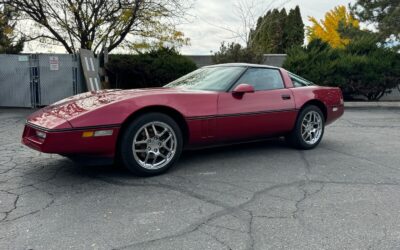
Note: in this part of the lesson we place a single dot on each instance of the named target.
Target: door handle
(285, 97)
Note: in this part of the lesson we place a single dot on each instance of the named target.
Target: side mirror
(243, 88)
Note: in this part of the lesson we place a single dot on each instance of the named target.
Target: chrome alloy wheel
(154, 145)
(311, 127)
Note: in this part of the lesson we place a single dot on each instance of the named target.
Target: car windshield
(208, 78)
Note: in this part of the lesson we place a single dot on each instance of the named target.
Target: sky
(209, 22)
(207, 27)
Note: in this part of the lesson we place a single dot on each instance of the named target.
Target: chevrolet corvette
(147, 129)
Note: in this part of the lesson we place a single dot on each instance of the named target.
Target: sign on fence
(54, 63)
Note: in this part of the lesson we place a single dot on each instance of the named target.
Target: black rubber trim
(238, 114)
(72, 129)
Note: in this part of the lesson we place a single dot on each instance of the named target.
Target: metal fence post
(34, 80)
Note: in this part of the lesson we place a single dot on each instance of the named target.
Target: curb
(372, 104)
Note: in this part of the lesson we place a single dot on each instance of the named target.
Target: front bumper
(71, 141)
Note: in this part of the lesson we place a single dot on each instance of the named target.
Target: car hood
(58, 115)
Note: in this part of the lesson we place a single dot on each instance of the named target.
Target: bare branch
(93, 24)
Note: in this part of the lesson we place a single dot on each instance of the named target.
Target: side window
(299, 81)
(262, 79)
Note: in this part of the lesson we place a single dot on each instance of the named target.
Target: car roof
(242, 65)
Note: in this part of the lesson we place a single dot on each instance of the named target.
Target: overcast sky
(209, 21)
(207, 28)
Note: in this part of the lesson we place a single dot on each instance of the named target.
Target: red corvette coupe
(146, 129)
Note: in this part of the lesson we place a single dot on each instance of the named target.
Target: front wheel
(309, 128)
(151, 144)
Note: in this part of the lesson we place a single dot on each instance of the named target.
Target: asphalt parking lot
(345, 194)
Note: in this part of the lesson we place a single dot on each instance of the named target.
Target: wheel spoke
(140, 150)
(154, 129)
(146, 159)
(147, 133)
(163, 132)
(140, 142)
(154, 160)
(167, 139)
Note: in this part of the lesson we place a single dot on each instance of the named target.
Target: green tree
(315, 62)
(277, 31)
(293, 32)
(384, 14)
(8, 42)
(234, 52)
(358, 68)
(99, 24)
(267, 36)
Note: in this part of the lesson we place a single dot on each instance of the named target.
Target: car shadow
(61, 171)
(189, 157)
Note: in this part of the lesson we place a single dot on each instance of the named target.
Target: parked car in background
(147, 129)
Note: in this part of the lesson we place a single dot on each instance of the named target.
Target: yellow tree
(328, 29)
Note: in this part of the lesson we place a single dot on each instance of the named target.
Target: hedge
(152, 69)
(363, 68)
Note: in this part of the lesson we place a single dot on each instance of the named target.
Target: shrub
(363, 68)
(234, 52)
(152, 69)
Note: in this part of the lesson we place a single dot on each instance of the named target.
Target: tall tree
(277, 31)
(293, 32)
(9, 43)
(328, 29)
(99, 24)
(234, 52)
(384, 14)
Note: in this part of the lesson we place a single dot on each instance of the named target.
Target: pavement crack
(250, 231)
(227, 210)
(225, 245)
(359, 157)
(169, 187)
(7, 213)
(307, 164)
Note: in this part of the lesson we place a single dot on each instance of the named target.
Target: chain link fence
(39, 79)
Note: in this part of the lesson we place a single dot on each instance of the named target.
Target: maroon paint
(211, 117)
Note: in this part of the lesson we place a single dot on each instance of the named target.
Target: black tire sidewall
(126, 153)
(297, 138)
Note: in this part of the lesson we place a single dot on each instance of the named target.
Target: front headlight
(41, 134)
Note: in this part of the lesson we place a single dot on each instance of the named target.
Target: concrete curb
(372, 104)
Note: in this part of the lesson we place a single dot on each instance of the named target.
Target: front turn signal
(87, 134)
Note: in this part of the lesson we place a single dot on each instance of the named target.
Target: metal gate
(15, 81)
(39, 79)
(57, 77)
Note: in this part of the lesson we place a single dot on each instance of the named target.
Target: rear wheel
(309, 128)
(151, 144)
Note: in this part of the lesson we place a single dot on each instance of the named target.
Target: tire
(153, 153)
(310, 139)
